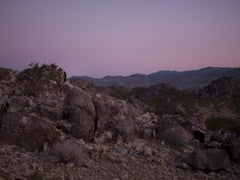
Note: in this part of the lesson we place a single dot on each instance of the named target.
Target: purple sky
(120, 37)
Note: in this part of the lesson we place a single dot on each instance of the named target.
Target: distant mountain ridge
(184, 79)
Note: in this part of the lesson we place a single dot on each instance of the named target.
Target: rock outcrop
(231, 144)
(80, 112)
(116, 116)
(40, 81)
(52, 128)
(27, 131)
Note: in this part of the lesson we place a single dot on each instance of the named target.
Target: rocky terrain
(54, 128)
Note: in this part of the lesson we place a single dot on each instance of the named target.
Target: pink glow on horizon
(120, 38)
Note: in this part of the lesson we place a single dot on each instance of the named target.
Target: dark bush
(217, 123)
(235, 101)
(38, 79)
(35, 176)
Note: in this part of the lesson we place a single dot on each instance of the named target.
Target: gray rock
(70, 165)
(45, 147)
(232, 146)
(80, 111)
(196, 127)
(177, 136)
(51, 108)
(64, 126)
(214, 144)
(116, 116)
(27, 131)
(117, 158)
(182, 166)
(69, 151)
(147, 151)
(18, 103)
(195, 144)
(210, 159)
(207, 137)
(56, 177)
(105, 137)
(217, 136)
(122, 151)
(138, 145)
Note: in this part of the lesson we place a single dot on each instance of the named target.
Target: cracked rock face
(116, 116)
(80, 112)
(92, 116)
(27, 131)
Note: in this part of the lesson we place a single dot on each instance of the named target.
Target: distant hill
(185, 79)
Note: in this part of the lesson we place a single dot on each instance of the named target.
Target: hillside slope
(185, 79)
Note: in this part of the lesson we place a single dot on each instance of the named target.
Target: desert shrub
(4, 176)
(162, 124)
(165, 99)
(35, 176)
(166, 121)
(176, 136)
(235, 101)
(173, 140)
(217, 123)
(204, 101)
(38, 79)
(119, 92)
(173, 104)
(37, 72)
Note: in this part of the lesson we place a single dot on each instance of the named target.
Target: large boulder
(210, 159)
(80, 112)
(196, 127)
(114, 115)
(85, 85)
(26, 130)
(70, 151)
(92, 115)
(177, 136)
(51, 107)
(232, 145)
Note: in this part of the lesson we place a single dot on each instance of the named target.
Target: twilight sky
(120, 37)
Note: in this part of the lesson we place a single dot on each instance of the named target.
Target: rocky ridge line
(51, 128)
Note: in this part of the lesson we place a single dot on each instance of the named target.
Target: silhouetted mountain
(185, 79)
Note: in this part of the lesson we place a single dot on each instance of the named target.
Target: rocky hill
(54, 128)
(185, 79)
